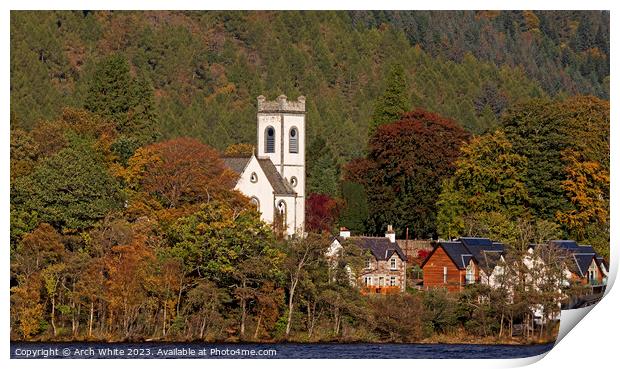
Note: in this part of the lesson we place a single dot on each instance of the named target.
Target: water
(152, 350)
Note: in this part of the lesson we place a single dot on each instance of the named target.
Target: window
(392, 281)
(293, 141)
(270, 140)
(469, 274)
(592, 274)
(368, 281)
(281, 208)
(445, 275)
(368, 263)
(294, 181)
(253, 177)
(380, 281)
(255, 202)
(393, 263)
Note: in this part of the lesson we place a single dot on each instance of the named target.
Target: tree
(355, 211)
(179, 171)
(403, 171)
(70, 190)
(487, 191)
(394, 102)
(239, 150)
(322, 169)
(587, 186)
(321, 213)
(450, 222)
(37, 250)
(302, 253)
(114, 94)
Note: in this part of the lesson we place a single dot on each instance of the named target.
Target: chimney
(344, 232)
(390, 234)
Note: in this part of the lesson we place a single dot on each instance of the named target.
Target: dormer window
(270, 140)
(393, 263)
(293, 141)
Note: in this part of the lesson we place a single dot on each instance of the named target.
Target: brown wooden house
(454, 264)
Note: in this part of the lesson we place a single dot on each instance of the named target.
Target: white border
(591, 344)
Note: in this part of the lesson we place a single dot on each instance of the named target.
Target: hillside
(206, 68)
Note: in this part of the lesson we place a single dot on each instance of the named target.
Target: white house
(274, 177)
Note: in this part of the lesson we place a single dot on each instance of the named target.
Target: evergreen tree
(322, 173)
(114, 94)
(394, 102)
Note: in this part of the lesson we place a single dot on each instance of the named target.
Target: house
(385, 267)
(584, 265)
(468, 260)
(274, 177)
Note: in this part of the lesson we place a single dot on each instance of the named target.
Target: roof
(483, 251)
(380, 247)
(581, 255)
(237, 164)
(280, 185)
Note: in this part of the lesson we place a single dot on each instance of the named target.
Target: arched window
(293, 140)
(253, 177)
(255, 202)
(270, 140)
(281, 208)
(294, 181)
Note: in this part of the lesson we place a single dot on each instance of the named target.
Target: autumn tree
(179, 171)
(487, 190)
(402, 174)
(321, 213)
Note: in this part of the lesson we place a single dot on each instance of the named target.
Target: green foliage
(394, 102)
(212, 241)
(70, 190)
(322, 174)
(128, 102)
(355, 211)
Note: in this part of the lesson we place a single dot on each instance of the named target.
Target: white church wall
(266, 120)
(261, 189)
(292, 224)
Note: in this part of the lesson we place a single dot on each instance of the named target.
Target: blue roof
(483, 251)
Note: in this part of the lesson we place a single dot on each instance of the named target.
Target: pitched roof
(380, 247)
(237, 164)
(581, 255)
(483, 251)
(280, 185)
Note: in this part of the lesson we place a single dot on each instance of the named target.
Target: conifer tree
(394, 102)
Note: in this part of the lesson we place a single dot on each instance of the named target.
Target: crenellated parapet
(281, 105)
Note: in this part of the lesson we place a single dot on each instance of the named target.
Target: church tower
(281, 134)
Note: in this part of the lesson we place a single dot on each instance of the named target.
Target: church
(274, 177)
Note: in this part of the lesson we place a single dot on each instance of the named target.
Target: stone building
(385, 267)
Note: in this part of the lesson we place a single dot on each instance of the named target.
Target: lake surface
(152, 350)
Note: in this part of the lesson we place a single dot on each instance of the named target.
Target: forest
(124, 224)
